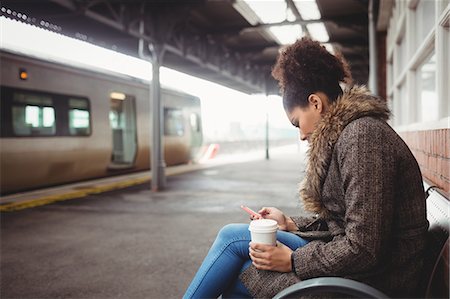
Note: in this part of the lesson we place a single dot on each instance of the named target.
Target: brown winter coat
(366, 189)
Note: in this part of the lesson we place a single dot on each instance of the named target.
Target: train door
(196, 129)
(122, 118)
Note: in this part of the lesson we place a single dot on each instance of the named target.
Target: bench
(435, 275)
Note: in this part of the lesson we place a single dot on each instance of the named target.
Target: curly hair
(306, 67)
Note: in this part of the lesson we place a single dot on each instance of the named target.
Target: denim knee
(233, 231)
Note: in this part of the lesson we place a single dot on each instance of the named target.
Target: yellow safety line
(15, 206)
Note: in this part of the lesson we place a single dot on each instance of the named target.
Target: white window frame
(401, 28)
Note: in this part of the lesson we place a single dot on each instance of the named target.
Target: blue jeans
(227, 258)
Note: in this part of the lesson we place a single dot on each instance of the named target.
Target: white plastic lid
(263, 226)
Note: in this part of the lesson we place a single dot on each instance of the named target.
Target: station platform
(134, 243)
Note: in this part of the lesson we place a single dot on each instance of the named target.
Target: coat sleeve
(367, 170)
(303, 221)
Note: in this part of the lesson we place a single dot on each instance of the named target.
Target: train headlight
(23, 74)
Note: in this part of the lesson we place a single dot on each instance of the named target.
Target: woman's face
(306, 118)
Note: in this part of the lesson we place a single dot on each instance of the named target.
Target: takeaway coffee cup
(264, 231)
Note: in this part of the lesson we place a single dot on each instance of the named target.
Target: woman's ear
(316, 102)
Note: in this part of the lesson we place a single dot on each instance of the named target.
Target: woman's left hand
(268, 257)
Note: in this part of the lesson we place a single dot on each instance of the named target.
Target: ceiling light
(272, 11)
(330, 48)
(308, 9)
(287, 34)
(318, 32)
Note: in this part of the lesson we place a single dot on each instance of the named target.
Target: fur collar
(354, 103)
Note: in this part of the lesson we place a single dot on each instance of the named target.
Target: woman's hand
(275, 214)
(273, 258)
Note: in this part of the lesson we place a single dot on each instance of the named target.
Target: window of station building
(33, 115)
(404, 105)
(443, 59)
(79, 117)
(424, 19)
(173, 122)
(442, 5)
(426, 89)
(390, 75)
(401, 57)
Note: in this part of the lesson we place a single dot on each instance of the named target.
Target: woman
(362, 185)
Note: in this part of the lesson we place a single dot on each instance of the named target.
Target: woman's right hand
(275, 214)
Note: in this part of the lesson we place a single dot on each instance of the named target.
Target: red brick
(417, 140)
(432, 142)
(429, 142)
(431, 163)
(445, 168)
(438, 181)
(423, 158)
(420, 142)
(435, 143)
(447, 143)
(426, 173)
(446, 186)
(419, 157)
(423, 142)
(439, 147)
(435, 164)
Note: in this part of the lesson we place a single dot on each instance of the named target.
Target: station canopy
(231, 42)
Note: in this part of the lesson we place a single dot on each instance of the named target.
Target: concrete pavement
(133, 243)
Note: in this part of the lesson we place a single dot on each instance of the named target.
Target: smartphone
(251, 212)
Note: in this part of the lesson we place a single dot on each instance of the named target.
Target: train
(62, 123)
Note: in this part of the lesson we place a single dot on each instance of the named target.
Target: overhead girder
(215, 51)
(167, 25)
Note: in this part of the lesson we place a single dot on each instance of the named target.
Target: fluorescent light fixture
(287, 34)
(308, 9)
(290, 15)
(318, 32)
(117, 96)
(272, 11)
(267, 12)
(329, 47)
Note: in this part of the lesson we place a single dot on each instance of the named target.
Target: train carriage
(62, 124)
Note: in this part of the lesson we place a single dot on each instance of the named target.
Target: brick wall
(432, 151)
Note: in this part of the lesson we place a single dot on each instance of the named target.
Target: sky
(222, 108)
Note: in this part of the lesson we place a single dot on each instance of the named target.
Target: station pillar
(267, 127)
(266, 87)
(373, 63)
(158, 164)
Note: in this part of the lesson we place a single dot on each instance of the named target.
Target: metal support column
(267, 133)
(158, 164)
(267, 120)
(373, 64)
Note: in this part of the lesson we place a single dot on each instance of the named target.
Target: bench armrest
(330, 284)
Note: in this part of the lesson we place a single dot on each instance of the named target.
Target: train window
(195, 122)
(29, 113)
(173, 122)
(79, 117)
(114, 119)
(33, 115)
